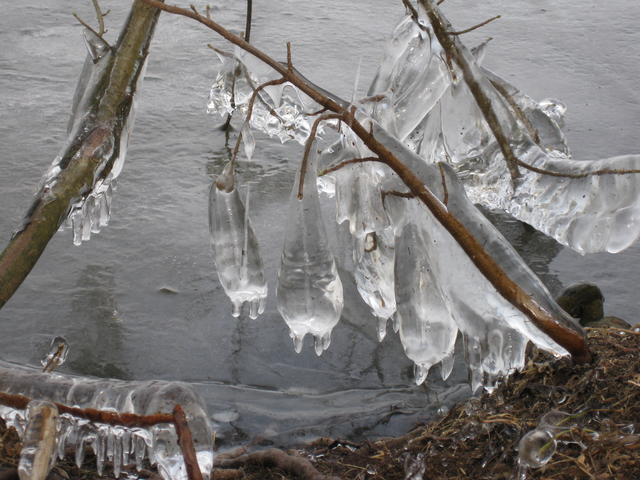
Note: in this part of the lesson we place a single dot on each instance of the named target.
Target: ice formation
(235, 247)
(118, 445)
(56, 356)
(406, 264)
(589, 213)
(309, 291)
(105, 141)
(39, 441)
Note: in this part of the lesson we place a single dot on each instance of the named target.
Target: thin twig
(533, 133)
(100, 16)
(396, 193)
(86, 25)
(343, 164)
(247, 119)
(605, 171)
(475, 27)
(307, 148)
(247, 24)
(289, 57)
(445, 197)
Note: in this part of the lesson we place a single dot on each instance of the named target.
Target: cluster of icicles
(407, 266)
(46, 433)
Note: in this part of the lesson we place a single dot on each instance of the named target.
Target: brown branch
(475, 27)
(273, 457)
(289, 58)
(568, 338)
(20, 402)
(307, 149)
(343, 164)
(185, 440)
(86, 25)
(448, 42)
(53, 361)
(604, 171)
(396, 193)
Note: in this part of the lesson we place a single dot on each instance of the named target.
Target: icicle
(248, 141)
(309, 291)
(235, 247)
(474, 361)
(39, 441)
(446, 365)
(427, 332)
(374, 258)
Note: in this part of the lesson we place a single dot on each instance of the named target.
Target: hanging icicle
(235, 246)
(309, 289)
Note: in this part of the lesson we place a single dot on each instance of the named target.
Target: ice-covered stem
(475, 27)
(309, 144)
(572, 340)
(185, 441)
(177, 418)
(442, 30)
(51, 207)
(247, 119)
(345, 163)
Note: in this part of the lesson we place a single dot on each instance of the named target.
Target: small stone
(583, 301)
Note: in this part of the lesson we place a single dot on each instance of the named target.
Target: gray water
(109, 296)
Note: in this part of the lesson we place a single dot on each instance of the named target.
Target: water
(141, 299)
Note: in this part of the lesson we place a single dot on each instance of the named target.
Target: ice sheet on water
(115, 444)
(309, 292)
(235, 246)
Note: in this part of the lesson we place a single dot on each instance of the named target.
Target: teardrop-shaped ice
(374, 259)
(427, 331)
(309, 291)
(235, 247)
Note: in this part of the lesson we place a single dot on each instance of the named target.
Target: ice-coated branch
(571, 339)
(85, 154)
(177, 418)
(448, 41)
(343, 164)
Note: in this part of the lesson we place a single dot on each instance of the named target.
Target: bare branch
(289, 61)
(445, 198)
(343, 164)
(247, 24)
(100, 17)
(86, 25)
(475, 27)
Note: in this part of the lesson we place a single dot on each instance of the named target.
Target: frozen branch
(573, 341)
(52, 204)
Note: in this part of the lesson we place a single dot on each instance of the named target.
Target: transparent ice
(105, 141)
(235, 246)
(38, 452)
(118, 445)
(57, 354)
(309, 291)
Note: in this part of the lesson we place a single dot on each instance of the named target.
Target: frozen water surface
(142, 299)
